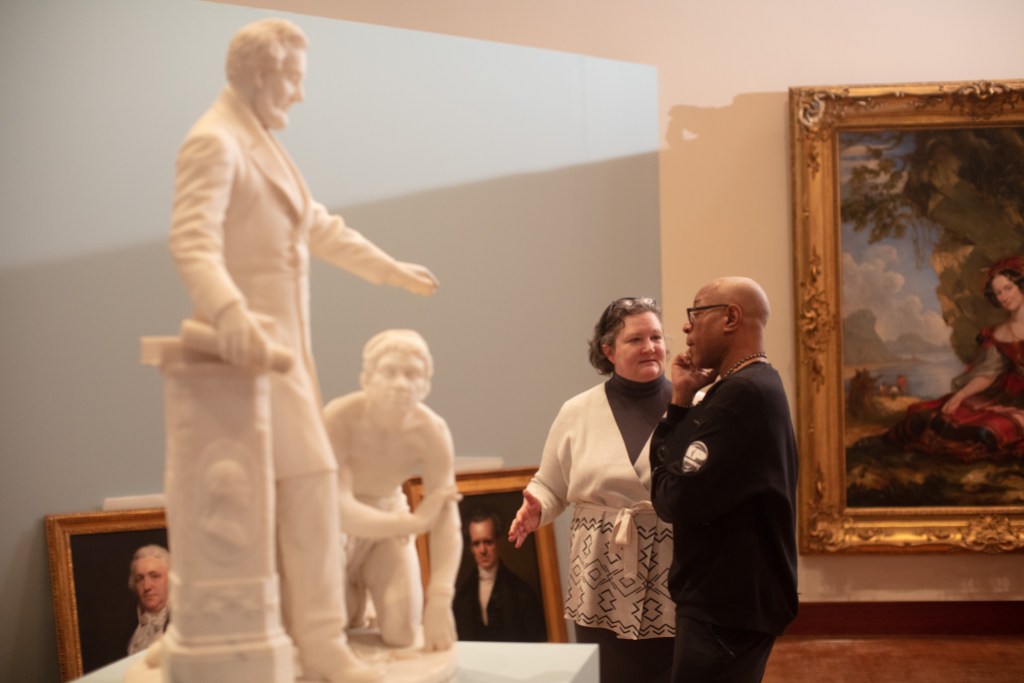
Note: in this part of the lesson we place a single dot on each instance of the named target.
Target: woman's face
(639, 351)
(1007, 292)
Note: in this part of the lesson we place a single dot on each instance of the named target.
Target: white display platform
(478, 663)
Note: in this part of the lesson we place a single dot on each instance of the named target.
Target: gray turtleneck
(637, 407)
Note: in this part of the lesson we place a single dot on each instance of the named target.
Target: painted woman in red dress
(983, 416)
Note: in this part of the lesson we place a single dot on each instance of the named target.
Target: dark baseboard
(851, 619)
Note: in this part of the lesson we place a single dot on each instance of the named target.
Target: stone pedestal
(219, 486)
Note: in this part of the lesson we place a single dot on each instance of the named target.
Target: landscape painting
(908, 227)
(913, 278)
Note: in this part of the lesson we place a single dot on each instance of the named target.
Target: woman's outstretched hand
(527, 519)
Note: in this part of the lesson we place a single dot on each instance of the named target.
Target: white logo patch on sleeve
(696, 456)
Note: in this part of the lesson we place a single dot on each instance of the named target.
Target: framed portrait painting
(525, 580)
(95, 609)
(908, 216)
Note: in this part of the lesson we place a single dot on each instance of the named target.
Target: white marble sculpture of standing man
(243, 229)
(382, 435)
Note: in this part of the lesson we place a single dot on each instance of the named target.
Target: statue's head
(266, 64)
(397, 368)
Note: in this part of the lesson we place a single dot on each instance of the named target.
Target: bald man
(724, 473)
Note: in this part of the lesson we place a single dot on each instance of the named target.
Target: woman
(984, 415)
(595, 458)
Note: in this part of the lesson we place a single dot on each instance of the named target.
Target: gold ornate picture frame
(536, 562)
(90, 559)
(902, 194)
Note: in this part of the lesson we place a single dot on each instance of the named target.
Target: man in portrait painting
(147, 579)
(492, 603)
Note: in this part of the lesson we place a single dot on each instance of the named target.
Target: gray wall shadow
(527, 263)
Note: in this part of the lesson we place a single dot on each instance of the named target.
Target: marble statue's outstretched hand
(431, 506)
(527, 519)
(438, 623)
(414, 278)
(241, 340)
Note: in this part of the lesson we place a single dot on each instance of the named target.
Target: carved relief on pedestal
(225, 491)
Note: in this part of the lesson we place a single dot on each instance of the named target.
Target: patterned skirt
(618, 573)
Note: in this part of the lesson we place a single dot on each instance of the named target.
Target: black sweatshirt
(724, 474)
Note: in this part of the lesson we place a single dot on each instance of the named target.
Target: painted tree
(957, 194)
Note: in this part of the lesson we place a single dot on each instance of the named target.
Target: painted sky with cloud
(886, 277)
(876, 279)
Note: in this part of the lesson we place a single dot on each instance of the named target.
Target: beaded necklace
(741, 361)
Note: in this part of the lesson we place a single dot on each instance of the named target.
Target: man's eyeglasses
(695, 309)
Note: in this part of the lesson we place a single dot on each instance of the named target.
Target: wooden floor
(897, 659)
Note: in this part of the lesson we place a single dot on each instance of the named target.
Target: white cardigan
(620, 552)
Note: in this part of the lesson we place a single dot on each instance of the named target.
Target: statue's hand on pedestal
(152, 657)
(438, 623)
(240, 339)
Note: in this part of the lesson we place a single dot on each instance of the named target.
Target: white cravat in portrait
(487, 577)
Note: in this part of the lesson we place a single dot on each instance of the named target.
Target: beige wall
(724, 69)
